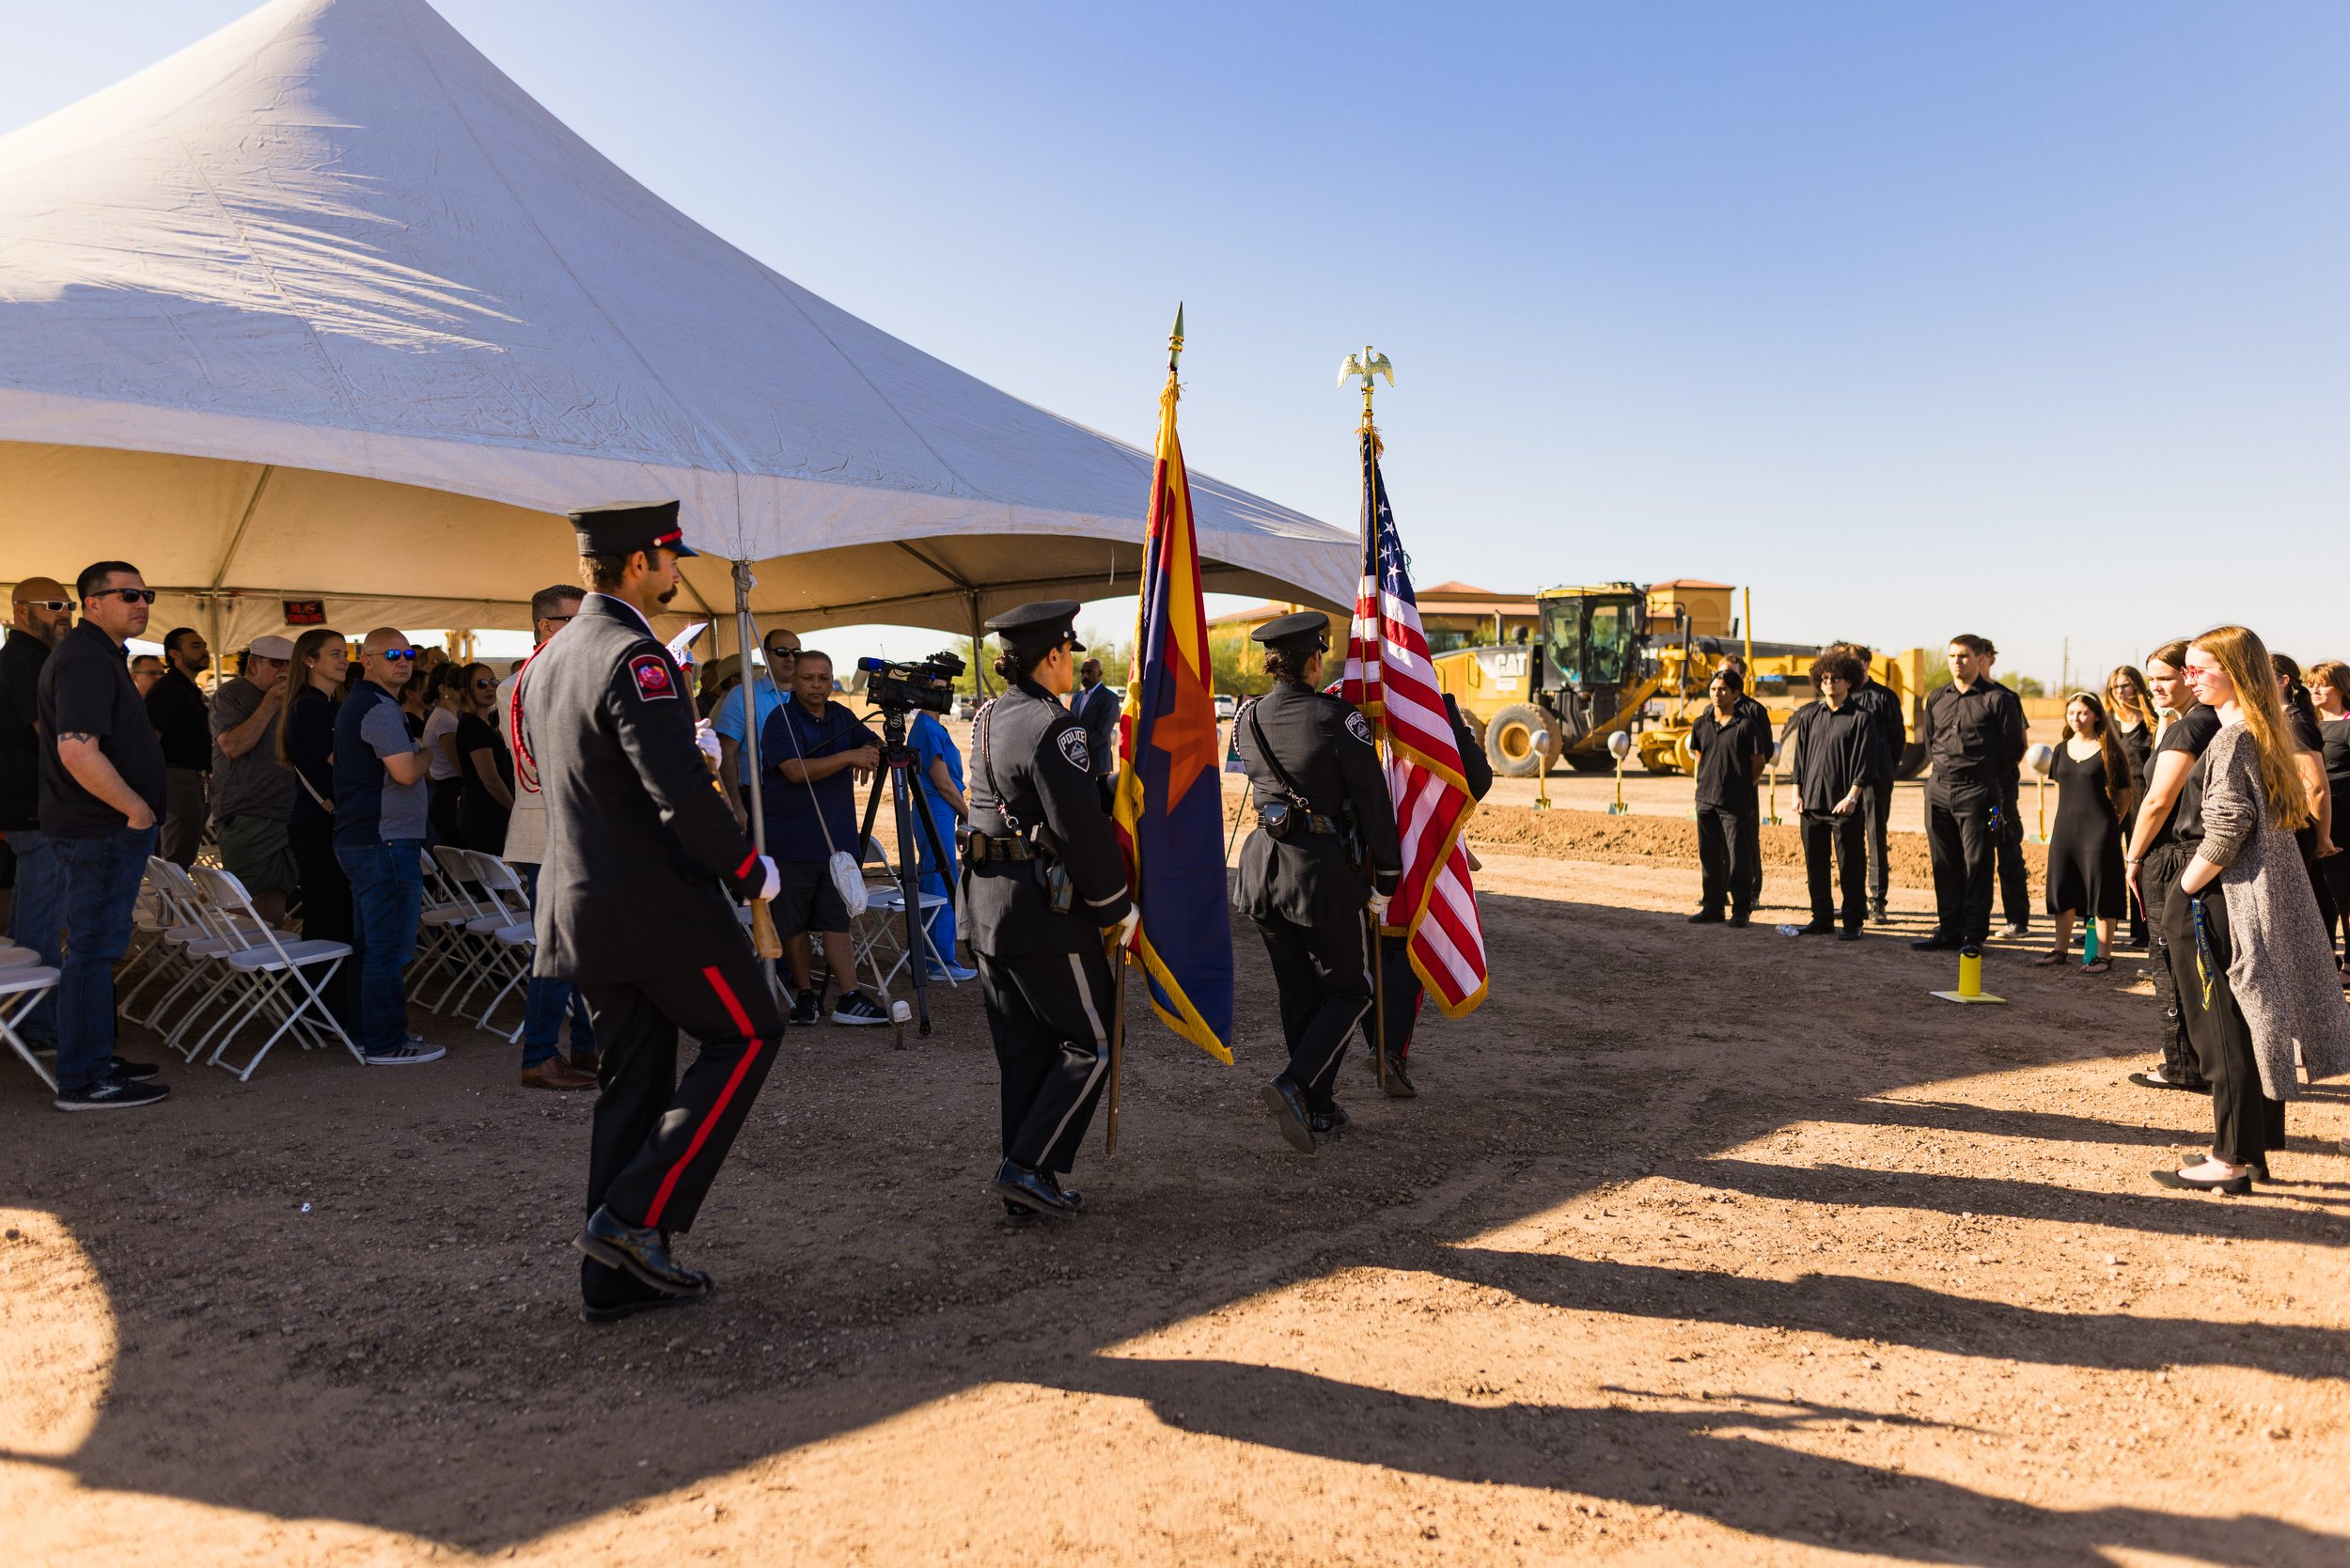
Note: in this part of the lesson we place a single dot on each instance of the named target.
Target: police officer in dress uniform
(1043, 887)
(1321, 812)
(636, 908)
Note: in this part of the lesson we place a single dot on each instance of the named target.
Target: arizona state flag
(1169, 803)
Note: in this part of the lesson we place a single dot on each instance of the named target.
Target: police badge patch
(650, 673)
(1358, 726)
(1073, 745)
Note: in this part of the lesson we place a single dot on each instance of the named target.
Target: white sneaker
(407, 1054)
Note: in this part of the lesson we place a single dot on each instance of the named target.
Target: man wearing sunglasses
(380, 804)
(41, 615)
(101, 789)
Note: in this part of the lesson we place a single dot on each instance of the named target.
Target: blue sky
(2021, 319)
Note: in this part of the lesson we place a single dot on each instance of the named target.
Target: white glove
(771, 880)
(1379, 907)
(706, 742)
(1125, 927)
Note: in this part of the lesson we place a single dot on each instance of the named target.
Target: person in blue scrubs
(941, 765)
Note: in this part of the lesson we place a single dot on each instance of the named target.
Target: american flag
(1389, 678)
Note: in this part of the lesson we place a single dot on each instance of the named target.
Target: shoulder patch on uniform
(1358, 726)
(1072, 746)
(651, 673)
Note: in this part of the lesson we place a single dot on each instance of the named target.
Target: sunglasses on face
(129, 596)
(48, 604)
(401, 655)
(485, 685)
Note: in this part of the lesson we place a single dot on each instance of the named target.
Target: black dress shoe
(627, 1307)
(1738, 917)
(1706, 917)
(1034, 1190)
(1399, 1084)
(1937, 943)
(1286, 1106)
(2147, 1080)
(1817, 928)
(1850, 933)
(641, 1252)
(1333, 1123)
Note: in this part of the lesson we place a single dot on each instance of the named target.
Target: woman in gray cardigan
(2259, 988)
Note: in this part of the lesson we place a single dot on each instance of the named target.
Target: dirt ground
(1698, 1245)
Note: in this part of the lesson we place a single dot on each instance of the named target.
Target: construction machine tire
(1913, 761)
(1517, 741)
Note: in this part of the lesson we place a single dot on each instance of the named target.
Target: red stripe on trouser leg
(718, 1107)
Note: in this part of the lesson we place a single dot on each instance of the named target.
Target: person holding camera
(815, 752)
(1045, 892)
(1324, 847)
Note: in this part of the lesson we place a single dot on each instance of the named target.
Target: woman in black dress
(2130, 703)
(485, 769)
(2085, 876)
(2308, 762)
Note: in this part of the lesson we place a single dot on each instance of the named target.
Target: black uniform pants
(659, 1139)
(1050, 1016)
(1846, 837)
(1401, 994)
(1962, 824)
(2014, 886)
(1877, 806)
(2335, 869)
(2158, 873)
(1323, 983)
(2246, 1124)
(1729, 856)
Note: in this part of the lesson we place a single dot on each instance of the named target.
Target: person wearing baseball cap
(640, 886)
(253, 793)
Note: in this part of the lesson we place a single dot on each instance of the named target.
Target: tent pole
(746, 639)
(978, 665)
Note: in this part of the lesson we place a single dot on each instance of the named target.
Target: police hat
(624, 527)
(1043, 625)
(1305, 628)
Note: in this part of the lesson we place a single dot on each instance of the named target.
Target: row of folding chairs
(476, 936)
(204, 968)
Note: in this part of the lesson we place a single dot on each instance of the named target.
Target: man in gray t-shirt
(379, 842)
(253, 793)
(405, 807)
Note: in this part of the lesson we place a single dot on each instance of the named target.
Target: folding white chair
(877, 931)
(449, 906)
(275, 970)
(195, 938)
(505, 929)
(22, 987)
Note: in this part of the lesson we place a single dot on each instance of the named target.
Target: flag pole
(1371, 366)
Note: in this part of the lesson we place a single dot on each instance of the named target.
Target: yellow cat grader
(1618, 656)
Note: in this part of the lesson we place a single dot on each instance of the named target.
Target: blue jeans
(386, 901)
(37, 919)
(546, 1002)
(101, 885)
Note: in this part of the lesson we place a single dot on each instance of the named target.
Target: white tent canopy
(325, 307)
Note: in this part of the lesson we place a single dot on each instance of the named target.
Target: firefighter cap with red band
(624, 527)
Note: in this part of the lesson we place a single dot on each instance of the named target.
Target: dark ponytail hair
(1289, 664)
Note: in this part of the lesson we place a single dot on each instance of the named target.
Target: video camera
(927, 685)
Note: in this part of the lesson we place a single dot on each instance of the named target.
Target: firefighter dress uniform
(636, 907)
(1324, 842)
(1042, 882)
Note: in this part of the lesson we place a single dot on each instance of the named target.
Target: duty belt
(978, 848)
(1313, 822)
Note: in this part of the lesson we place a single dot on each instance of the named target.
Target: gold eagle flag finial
(1369, 366)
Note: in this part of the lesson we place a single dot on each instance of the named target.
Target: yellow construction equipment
(1618, 657)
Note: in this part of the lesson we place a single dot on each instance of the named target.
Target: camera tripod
(908, 801)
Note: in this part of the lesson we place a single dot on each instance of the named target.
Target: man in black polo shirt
(1974, 737)
(1838, 758)
(183, 720)
(1884, 711)
(101, 789)
(1731, 740)
(42, 614)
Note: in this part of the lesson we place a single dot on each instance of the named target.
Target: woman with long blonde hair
(2256, 984)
